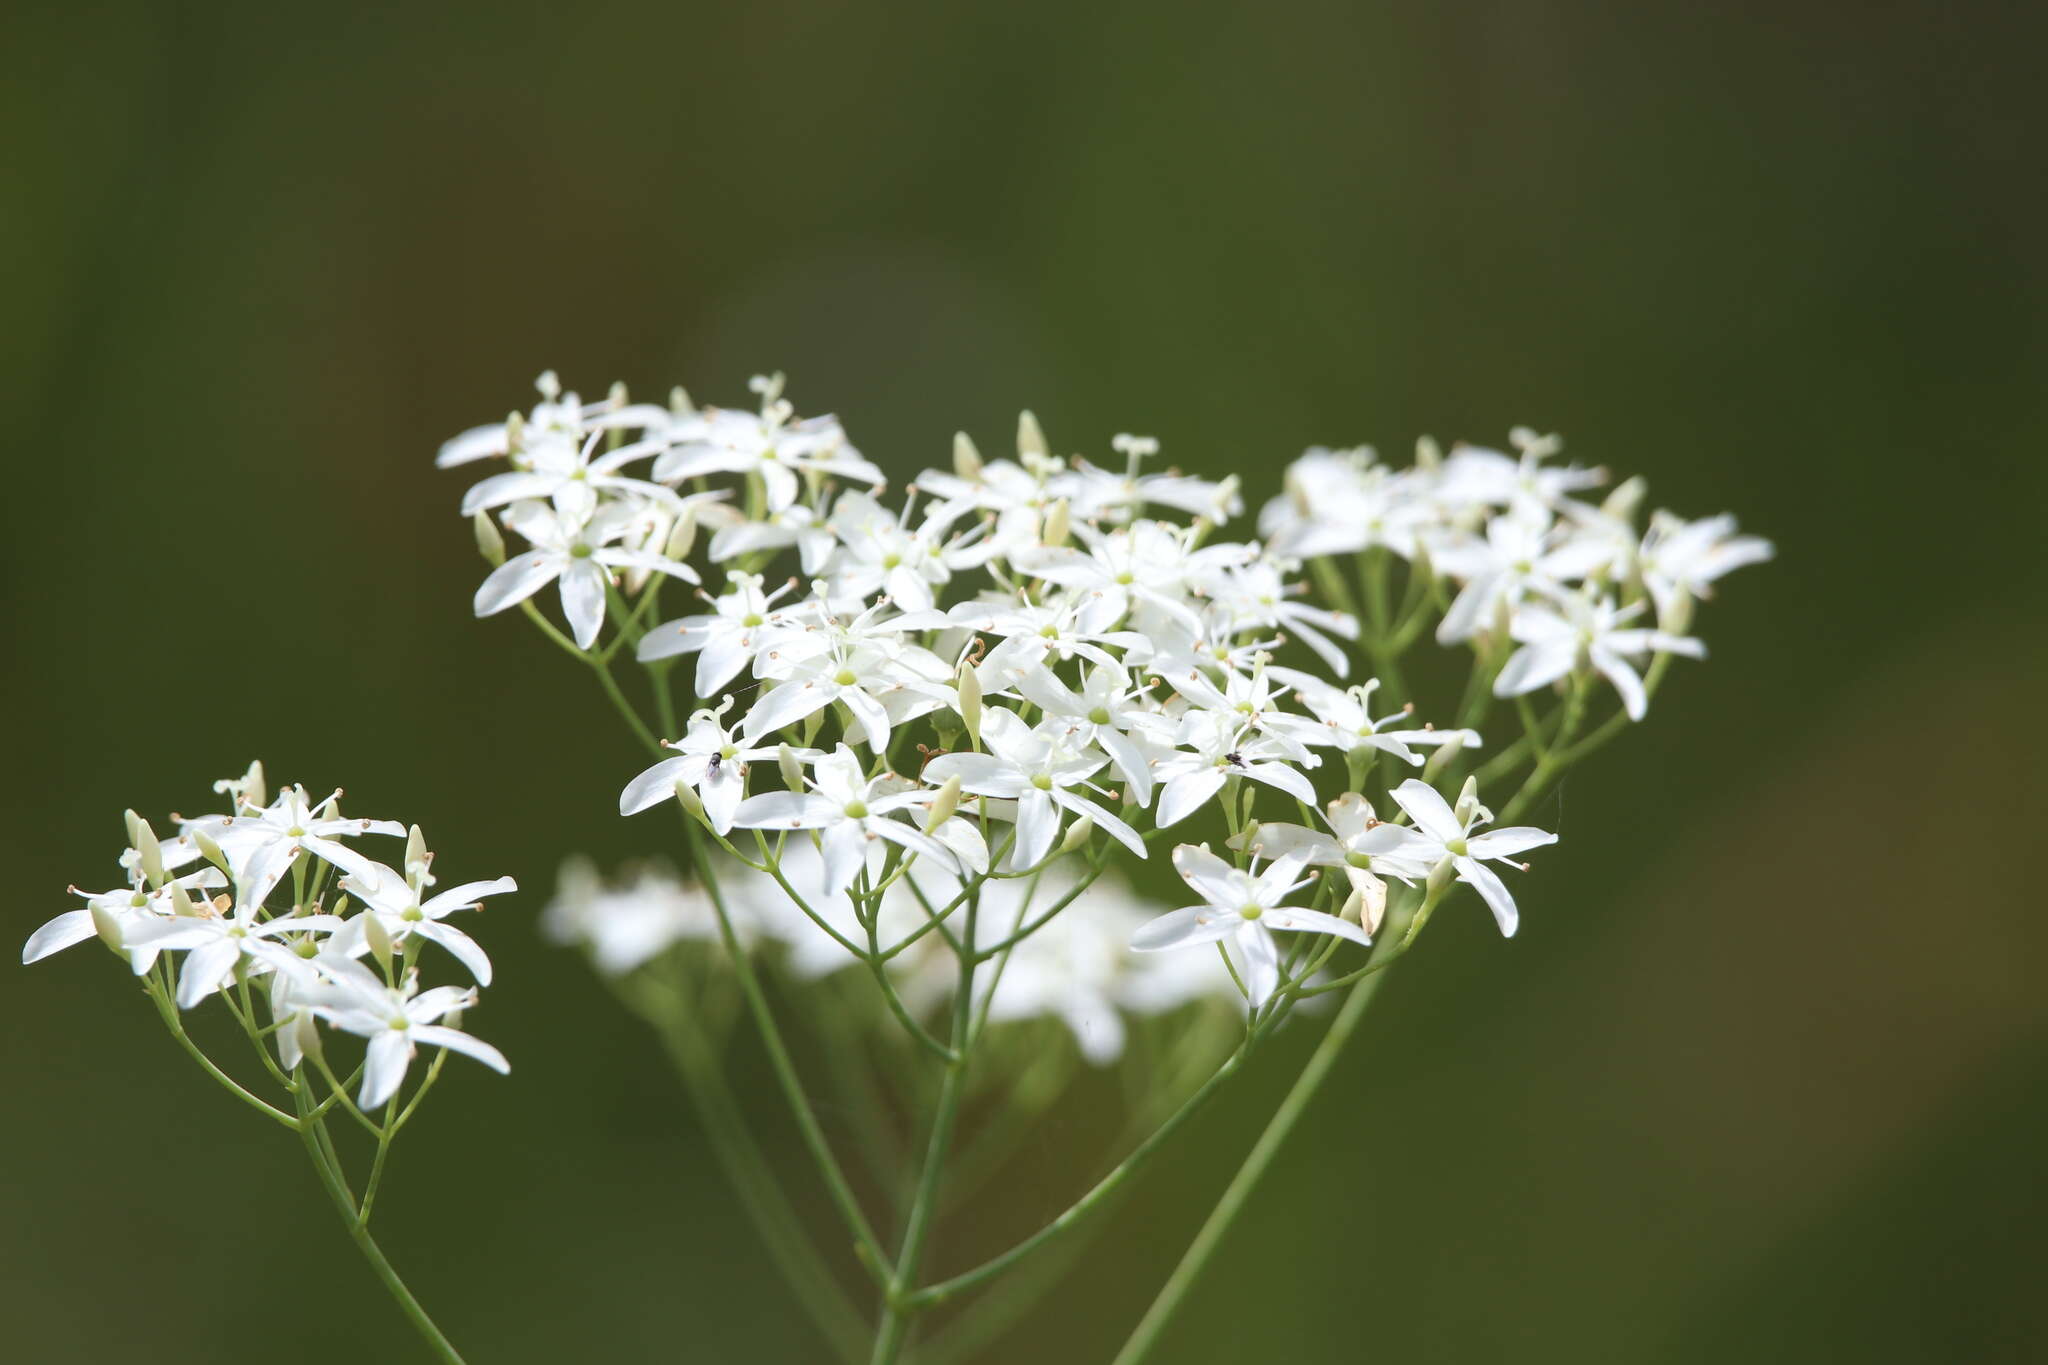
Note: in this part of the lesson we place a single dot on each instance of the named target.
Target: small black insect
(711, 767)
(1234, 759)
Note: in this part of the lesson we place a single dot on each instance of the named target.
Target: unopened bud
(107, 927)
(134, 826)
(1677, 620)
(687, 798)
(1077, 837)
(969, 684)
(306, 1034)
(944, 804)
(379, 939)
(617, 397)
(1467, 805)
(966, 459)
(683, 538)
(1446, 754)
(515, 433)
(489, 543)
(1056, 519)
(1030, 439)
(679, 401)
(181, 904)
(1428, 454)
(148, 851)
(1439, 878)
(255, 788)
(1626, 498)
(792, 770)
(211, 851)
(416, 855)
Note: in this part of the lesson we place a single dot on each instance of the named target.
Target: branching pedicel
(914, 742)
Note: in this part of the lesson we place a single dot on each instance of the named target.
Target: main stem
(1146, 1335)
(893, 1333)
(345, 1205)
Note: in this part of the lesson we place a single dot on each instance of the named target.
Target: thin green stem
(313, 1133)
(169, 1010)
(1146, 1336)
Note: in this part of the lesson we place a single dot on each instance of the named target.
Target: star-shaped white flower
(1038, 769)
(742, 623)
(848, 809)
(709, 761)
(395, 899)
(1245, 908)
(396, 1021)
(1450, 837)
(578, 550)
(1585, 633)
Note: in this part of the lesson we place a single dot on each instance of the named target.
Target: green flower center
(856, 810)
(1456, 848)
(579, 552)
(752, 618)
(1041, 781)
(845, 677)
(1252, 911)
(1126, 578)
(1099, 716)
(1361, 861)
(1049, 632)
(412, 914)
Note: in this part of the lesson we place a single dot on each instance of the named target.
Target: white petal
(384, 1063)
(461, 946)
(1428, 809)
(1179, 928)
(1535, 665)
(73, 926)
(455, 1040)
(652, 787)
(786, 810)
(204, 970)
(1213, 879)
(1038, 823)
(517, 579)
(783, 707)
(1188, 793)
(583, 585)
(1260, 960)
(1290, 920)
(846, 852)
(1481, 878)
(1505, 843)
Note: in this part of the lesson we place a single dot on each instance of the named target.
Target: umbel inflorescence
(915, 745)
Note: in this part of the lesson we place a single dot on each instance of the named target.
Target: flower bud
(515, 433)
(687, 798)
(149, 853)
(944, 804)
(305, 1031)
(966, 459)
(134, 825)
(683, 538)
(679, 402)
(791, 769)
(1627, 496)
(1367, 902)
(1030, 439)
(416, 856)
(1055, 525)
(211, 851)
(255, 789)
(1677, 620)
(1439, 878)
(1446, 754)
(969, 683)
(1077, 837)
(489, 543)
(1428, 454)
(107, 927)
(181, 904)
(617, 397)
(379, 939)
(1467, 804)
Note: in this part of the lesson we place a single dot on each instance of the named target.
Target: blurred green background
(1762, 1077)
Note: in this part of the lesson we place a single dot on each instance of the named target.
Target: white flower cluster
(1077, 670)
(1077, 970)
(253, 920)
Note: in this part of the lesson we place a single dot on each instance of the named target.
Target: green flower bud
(489, 543)
(1030, 439)
(969, 684)
(1077, 837)
(944, 804)
(966, 459)
(792, 771)
(211, 851)
(1055, 529)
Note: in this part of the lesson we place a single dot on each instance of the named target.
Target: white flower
(574, 478)
(1520, 555)
(1255, 595)
(848, 809)
(850, 675)
(577, 550)
(558, 420)
(709, 762)
(1148, 562)
(1244, 907)
(1476, 475)
(1031, 634)
(124, 909)
(743, 623)
(395, 1021)
(394, 899)
(1349, 725)
(1450, 837)
(261, 844)
(1214, 746)
(632, 922)
(879, 551)
(1356, 841)
(1102, 713)
(1037, 769)
(768, 444)
(216, 942)
(1682, 558)
(1554, 643)
(1339, 502)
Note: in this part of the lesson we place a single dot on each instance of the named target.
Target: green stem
(169, 1011)
(1146, 1336)
(311, 1131)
